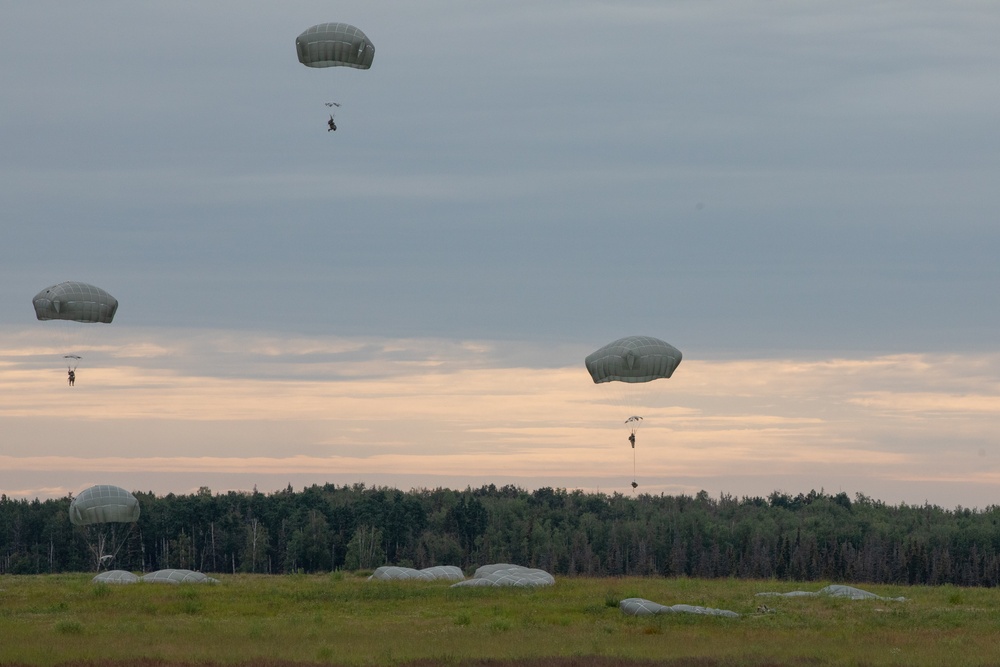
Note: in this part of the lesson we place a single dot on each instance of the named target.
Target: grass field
(343, 619)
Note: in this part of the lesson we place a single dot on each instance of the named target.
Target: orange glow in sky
(746, 426)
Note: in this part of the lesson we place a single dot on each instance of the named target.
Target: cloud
(223, 403)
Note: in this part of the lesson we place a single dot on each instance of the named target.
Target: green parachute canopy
(103, 504)
(75, 301)
(335, 45)
(633, 359)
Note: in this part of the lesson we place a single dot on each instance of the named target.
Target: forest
(807, 537)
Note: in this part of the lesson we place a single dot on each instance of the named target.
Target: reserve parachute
(627, 365)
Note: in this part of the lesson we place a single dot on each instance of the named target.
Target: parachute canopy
(103, 504)
(79, 302)
(633, 359)
(505, 574)
(174, 576)
(335, 45)
(837, 591)
(395, 573)
(115, 577)
(643, 607)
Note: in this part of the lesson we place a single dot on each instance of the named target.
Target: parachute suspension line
(634, 483)
(117, 544)
(105, 544)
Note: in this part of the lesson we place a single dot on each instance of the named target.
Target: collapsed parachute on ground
(444, 572)
(436, 573)
(836, 591)
(103, 503)
(642, 607)
(172, 576)
(335, 45)
(75, 301)
(505, 574)
(115, 577)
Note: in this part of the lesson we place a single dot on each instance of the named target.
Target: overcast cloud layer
(761, 184)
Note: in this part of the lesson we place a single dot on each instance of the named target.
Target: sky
(801, 197)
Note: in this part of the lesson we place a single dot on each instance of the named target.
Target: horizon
(800, 198)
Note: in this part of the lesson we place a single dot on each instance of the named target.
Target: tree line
(808, 537)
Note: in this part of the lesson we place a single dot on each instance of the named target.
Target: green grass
(343, 619)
